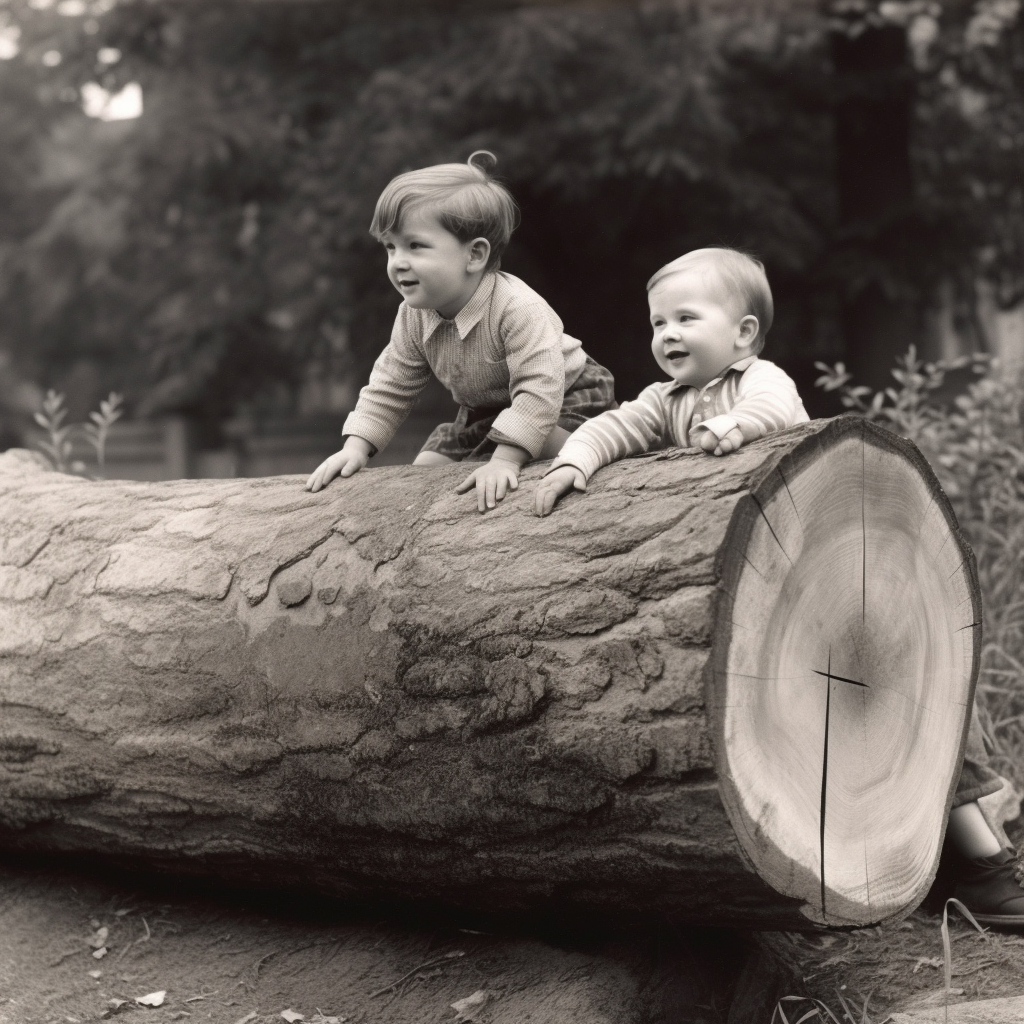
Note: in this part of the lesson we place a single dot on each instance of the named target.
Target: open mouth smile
(676, 355)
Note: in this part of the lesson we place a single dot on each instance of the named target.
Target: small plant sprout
(57, 445)
(51, 419)
(102, 421)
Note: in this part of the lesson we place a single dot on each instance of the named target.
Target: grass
(819, 1013)
(886, 955)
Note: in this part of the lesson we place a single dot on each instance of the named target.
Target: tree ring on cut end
(846, 653)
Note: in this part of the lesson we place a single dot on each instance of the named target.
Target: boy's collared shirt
(505, 349)
(752, 394)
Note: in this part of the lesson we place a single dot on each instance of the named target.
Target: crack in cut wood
(829, 676)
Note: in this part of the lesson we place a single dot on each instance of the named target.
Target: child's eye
(415, 245)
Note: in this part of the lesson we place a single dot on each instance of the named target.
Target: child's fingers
(467, 484)
(316, 479)
(545, 499)
(501, 488)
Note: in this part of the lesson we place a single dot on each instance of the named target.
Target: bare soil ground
(230, 957)
(234, 957)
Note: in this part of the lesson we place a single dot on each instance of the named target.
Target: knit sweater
(752, 394)
(505, 350)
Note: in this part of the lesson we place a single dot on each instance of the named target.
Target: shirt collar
(738, 367)
(469, 316)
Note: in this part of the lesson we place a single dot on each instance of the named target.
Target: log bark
(685, 692)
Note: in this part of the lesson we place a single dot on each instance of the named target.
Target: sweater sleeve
(633, 428)
(400, 373)
(767, 401)
(531, 336)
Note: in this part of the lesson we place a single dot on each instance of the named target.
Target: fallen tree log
(732, 690)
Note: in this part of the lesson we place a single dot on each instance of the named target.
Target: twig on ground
(202, 995)
(140, 939)
(447, 958)
(65, 956)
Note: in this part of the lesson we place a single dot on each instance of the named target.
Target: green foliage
(58, 446)
(98, 430)
(200, 258)
(975, 443)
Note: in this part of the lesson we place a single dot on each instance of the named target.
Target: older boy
(710, 311)
(522, 383)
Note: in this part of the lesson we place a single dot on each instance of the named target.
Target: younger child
(522, 383)
(710, 311)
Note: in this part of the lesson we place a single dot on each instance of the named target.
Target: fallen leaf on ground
(322, 1018)
(927, 961)
(292, 1016)
(99, 954)
(251, 1015)
(465, 1009)
(153, 999)
(96, 974)
(99, 938)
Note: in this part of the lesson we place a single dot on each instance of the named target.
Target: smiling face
(430, 267)
(698, 331)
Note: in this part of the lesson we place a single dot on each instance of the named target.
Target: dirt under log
(376, 691)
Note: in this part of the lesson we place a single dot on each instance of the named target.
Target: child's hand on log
(352, 458)
(556, 484)
(722, 445)
(496, 478)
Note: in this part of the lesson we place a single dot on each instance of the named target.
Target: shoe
(989, 889)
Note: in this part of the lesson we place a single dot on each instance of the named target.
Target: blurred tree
(202, 257)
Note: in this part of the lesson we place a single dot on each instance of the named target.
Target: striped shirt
(752, 394)
(504, 350)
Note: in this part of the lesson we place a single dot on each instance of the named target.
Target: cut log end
(847, 652)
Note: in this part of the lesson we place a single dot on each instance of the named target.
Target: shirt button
(707, 398)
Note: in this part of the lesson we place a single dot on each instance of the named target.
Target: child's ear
(479, 254)
(749, 326)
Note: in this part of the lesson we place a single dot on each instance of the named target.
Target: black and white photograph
(512, 511)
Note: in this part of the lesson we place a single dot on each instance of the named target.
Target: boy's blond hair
(467, 200)
(740, 274)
